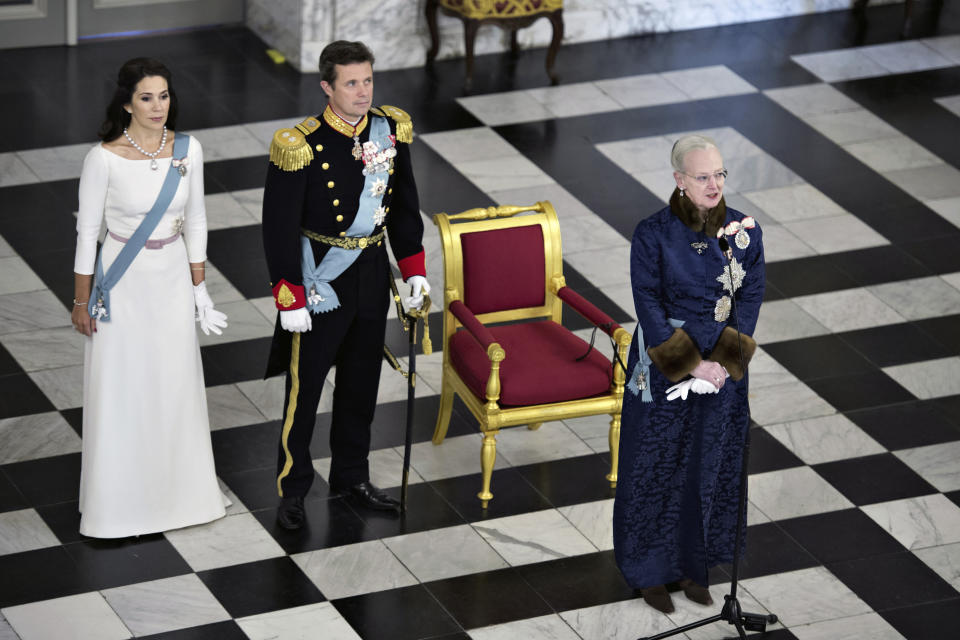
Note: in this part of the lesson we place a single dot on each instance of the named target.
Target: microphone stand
(731, 611)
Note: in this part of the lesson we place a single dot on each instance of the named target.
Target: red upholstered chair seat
(540, 366)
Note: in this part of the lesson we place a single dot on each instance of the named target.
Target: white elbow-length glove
(297, 320)
(418, 288)
(210, 319)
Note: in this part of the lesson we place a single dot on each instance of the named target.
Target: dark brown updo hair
(131, 73)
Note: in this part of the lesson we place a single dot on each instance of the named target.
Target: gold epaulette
(289, 149)
(402, 118)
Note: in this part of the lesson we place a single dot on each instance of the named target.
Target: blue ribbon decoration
(642, 368)
(317, 277)
(99, 304)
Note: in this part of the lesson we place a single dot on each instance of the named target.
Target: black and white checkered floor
(843, 143)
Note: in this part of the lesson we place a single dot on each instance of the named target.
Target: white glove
(418, 287)
(297, 321)
(210, 319)
(696, 385)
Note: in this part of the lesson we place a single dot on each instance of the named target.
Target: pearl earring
(681, 191)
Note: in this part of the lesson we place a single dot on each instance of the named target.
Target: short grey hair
(685, 145)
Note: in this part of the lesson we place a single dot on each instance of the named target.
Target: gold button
(380, 243)
(325, 165)
(319, 147)
(339, 218)
(387, 210)
(390, 190)
(390, 171)
(336, 203)
(330, 185)
(343, 233)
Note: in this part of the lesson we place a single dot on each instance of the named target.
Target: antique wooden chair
(505, 352)
(507, 14)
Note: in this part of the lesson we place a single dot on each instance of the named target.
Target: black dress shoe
(697, 593)
(370, 496)
(290, 514)
(658, 597)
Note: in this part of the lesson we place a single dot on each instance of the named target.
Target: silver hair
(685, 145)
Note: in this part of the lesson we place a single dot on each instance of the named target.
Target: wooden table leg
(431, 13)
(470, 28)
(556, 19)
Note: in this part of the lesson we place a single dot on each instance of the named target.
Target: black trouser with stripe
(350, 337)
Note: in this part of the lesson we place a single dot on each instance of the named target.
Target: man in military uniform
(335, 184)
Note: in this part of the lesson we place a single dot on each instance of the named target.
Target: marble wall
(397, 29)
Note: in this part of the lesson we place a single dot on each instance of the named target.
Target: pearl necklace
(152, 156)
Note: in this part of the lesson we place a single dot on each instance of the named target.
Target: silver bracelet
(80, 304)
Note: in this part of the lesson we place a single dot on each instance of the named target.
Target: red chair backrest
(503, 269)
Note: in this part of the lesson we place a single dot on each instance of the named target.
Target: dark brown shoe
(697, 593)
(658, 598)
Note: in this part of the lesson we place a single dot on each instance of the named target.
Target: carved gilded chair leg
(533, 426)
(488, 455)
(614, 436)
(443, 415)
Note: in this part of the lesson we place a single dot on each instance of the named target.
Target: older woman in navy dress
(685, 413)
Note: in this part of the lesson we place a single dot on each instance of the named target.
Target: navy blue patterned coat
(680, 461)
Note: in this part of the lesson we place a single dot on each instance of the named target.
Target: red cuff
(414, 265)
(289, 296)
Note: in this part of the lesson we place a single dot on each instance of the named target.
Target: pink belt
(151, 244)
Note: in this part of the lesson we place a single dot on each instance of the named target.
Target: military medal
(357, 149)
(379, 215)
(313, 297)
(742, 239)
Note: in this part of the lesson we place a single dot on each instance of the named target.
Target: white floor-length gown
(147, 461)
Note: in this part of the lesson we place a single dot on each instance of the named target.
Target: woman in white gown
(147, 461)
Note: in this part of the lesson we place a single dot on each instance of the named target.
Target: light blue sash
(99, 305)
(317, 277)
(641, 370)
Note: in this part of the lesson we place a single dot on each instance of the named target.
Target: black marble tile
(330, 523)
(257, 488)
(768, 454)
(944, 329)
(409, 613)
(954, 496)
(426, 509)
(228, 630)
(892, 581)
(878, 265)
(38, 575)
(248, 274)
(242, 448)
(837, 536)
(10, 497)
(569, 481)
(8, 364)
(21, 397)
(235, 361)
(262, 586)
(512, 494)
(578, 582)
(74, 418)
(104, 564)
(940, 254)
(64, 520)
(860, 390)
(818, 357)
(906, 425)
(928, 621)
(443, 189)
(770, 550)
(390, 421)
(234, 175)
(46, 480)
(877, 478)
(895, 344)
(488, 598)
(950, 405)
(806, 276)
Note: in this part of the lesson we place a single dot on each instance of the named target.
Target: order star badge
(379, 215)
(378, 188)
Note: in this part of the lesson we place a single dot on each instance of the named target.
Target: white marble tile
(445, 553)
(268, 396)
(758, 171)
(624, 620)
(917, 523)
(622, 296)
(552, 441)
(56, 163)
(244, 322)
(639, 155)
(708, 82)
(949, 208)
(229, 143)
(688, 612)
(6, 251)
(953, 279)
(928, 183)
(906, 57)
(224, 212)
(785, 320)
(16, 276)
(765, 371)
(505, 108)
(221, 290)
(594, 520)
(805, 596)
(456, 456)
(36, 435)
(583, 233)
(24, 530)
(825, 439)
(779, 243)
(794, 492)
(263, 131)
(844, 127)
(15, 171)
(534, 537)
(550, 627)
(601, 267)
(919, 298)
(321, 620)
(950, 103)
(868, 625)
(224, 542)
(793, 202)
(386, 468)
(510, 172)
(85, 616)
(235, 505)
(165, 605)
(848, 309)
(6, 631)
(566, 205)
(251, 200)
(578, 99)
(844, 64)
(811, 99)
(644, 90)
(593, 430)
(29, 310)
(63, 387)
(353, 569)
(845, 232)
(930, 378)
(660, 183)
(267, 307)
(938, 464)
(45, 349)
(228, 407)
(945, 560)
(892, 154)
(469, 145)
(732, 143)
